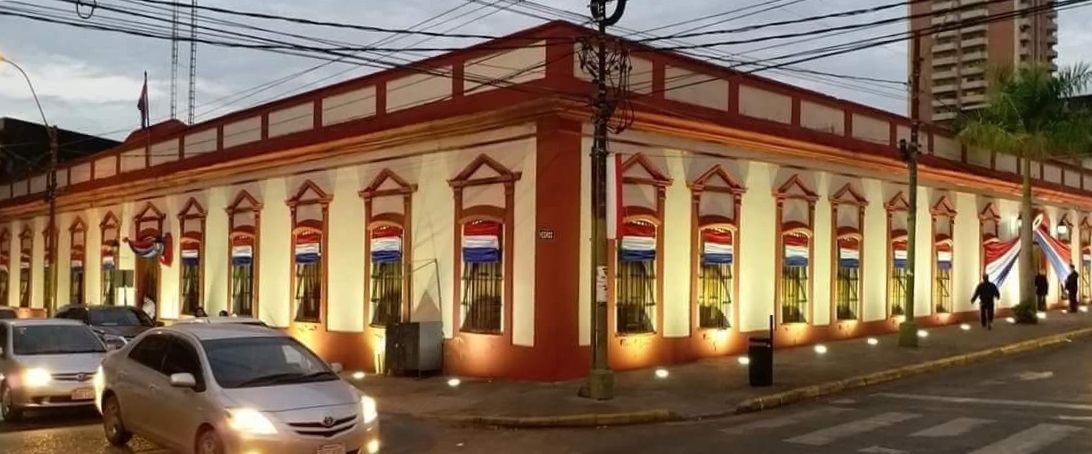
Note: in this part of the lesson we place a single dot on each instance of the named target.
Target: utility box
(414, 348)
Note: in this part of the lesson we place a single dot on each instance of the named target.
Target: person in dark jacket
(1042, 286)
(1071, 283)
(987, 294)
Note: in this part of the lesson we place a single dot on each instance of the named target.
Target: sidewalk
(713, 387)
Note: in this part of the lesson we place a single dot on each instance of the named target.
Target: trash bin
(760, 369)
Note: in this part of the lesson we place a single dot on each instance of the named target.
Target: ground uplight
(744, 360)
(873, 341)
(662, 373)
(923, 333)
(821, 349)
(454, 382)
(965, 327)
(358, 375)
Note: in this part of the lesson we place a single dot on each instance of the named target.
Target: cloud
(90, 80)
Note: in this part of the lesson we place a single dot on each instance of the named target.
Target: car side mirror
(183, 380)
(337, 367)
(114, 343)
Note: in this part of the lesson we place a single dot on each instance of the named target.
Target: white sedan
(231, 388)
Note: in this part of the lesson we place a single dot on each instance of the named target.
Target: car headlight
(250, 421)
(36, 378)
(368, 409)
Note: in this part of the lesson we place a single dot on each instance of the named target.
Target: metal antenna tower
(193, 61)
(174, 61)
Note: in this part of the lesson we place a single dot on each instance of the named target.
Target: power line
(770, 6)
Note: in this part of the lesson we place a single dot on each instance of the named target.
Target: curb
(810, 392)
(567, 421)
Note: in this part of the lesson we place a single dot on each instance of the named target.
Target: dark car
(7, 313)
(110, 321)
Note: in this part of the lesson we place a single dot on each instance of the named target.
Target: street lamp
(1063, 231)
(51, 193)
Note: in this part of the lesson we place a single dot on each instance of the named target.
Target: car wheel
(112, 425)
(8, 410)
(208, 442)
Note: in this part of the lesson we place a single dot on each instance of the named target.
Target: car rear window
(118, 317)
(54, 340)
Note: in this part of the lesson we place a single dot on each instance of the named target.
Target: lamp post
(51, 195)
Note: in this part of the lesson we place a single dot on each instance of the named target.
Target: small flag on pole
(142, 104)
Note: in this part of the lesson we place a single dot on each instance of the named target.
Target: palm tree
(1029, 115)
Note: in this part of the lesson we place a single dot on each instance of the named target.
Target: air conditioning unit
(414, 348)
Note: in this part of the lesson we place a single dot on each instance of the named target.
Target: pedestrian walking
(1042, 286)
(1071, 283)
(987, 294)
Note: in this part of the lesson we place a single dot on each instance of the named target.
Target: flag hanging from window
(481, 242)
(638, 242)
(142, 104)
(386, 246)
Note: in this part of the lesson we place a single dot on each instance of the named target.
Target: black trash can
(760, 369)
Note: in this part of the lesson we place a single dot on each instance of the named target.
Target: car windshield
(264, 361)
(55, 340)
(118, 317)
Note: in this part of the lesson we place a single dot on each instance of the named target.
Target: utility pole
(51, 241)
(600, 384)
(908, 329)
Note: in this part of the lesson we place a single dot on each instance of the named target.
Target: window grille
(483, 277)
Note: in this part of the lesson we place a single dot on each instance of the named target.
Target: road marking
(1032, 376)
(958, 426)
(972, 400)
(784, 421)
(882, 450)
(832, 434)
(1030, 441)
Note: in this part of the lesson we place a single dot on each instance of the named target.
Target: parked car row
(208, 386)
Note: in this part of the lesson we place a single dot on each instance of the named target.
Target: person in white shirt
(149, 307)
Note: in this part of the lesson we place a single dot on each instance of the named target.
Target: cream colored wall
(275, 254)
(757, 236)
(214, 250)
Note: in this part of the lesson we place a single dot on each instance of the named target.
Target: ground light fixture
(662, 373)
(744, 360)
(1010, 320)
(454, 382)
(358, 375)
(821, 349)
(873, 341)
(1084, 308)
(1041, 315)
(923, 333)
(965, 327)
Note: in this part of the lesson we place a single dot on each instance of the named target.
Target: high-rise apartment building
(955, 61)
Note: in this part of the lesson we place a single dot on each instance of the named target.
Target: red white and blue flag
(386, 246)
(638, 242)
(308, 249)
(716, 247)
(481, 242)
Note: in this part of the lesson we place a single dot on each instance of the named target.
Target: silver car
(222, 320)
(231, 388)
(46, 363)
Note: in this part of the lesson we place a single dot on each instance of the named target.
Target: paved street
(1031, 404)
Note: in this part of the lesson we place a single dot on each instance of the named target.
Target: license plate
(332, 449)
(83, 394)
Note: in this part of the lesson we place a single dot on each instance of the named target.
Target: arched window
(148, 225)
(191, 221)
(795, 218)
(485, 226)
(847, 213)
(388, 210)
(385, 254)
(244, 216)
(310, 218)
(5, 262)
(716, 199)
(26, 245)
(636, 292)
(110, 228)
(483, 276)
(943, 214)
(78, 232)
(897, 209)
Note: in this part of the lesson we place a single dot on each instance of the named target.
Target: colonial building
(458, 190)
